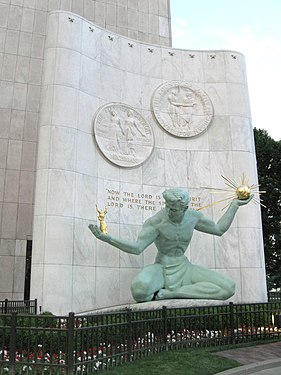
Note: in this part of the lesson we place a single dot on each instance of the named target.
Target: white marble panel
(172, 67)
(67, 71)
(84, 243)
(58, 284)
(110, 49)
(156, 128)
(109, 195)
(86, 158)
(253, 283)
(36, 284)
(192, 63)
(19, 274)
(111, 83)
(106, 169)
(245, 162)
(131, 89)
(151, 61)
(107, 287)
(214, 66)
(62, 148)
(249, 216)
(198, 169)
(58, 240)
(221, 164)
(38, 239)
(202, 250)
(154, 168)
(242, 134)
(218, 93)
(87, 107)
(251, 248)
(91, 41)
(131, 175)
(6, 276)
(65, 106)
(155, 200)
(130, 233)
(7, 247)
(24, 220)
(130, 55)
(175, 168)
(9, 220)
(85, 196)
(227, 249)
(107, 255)
(220, 134)
(126, 277)
(132, 215)
(149, 85)
(69, 32)
(2, 180)
(238, 100)
(235, 67)
(61, 188)
(84, 298)
(41, 191)
(46, 110)
(49, 67)
(90, 76)
(26, 189)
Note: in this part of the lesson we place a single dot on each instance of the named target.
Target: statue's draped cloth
(175, 274)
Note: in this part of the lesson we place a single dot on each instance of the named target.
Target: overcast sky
(252, 27)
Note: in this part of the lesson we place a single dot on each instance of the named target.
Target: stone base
(156, 305)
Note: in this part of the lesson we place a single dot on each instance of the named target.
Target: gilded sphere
(243, 192)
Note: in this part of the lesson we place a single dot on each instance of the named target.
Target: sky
(252, 27)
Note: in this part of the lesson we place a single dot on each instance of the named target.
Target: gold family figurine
(101, 216)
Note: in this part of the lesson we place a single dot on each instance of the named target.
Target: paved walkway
(260, 359)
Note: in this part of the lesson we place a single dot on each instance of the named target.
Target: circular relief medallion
(123, 135)
(182, 109)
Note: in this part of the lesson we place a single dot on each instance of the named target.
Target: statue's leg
(202, 283)
(147, 282)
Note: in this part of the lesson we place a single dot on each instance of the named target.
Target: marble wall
(22, 45)
(87, 67)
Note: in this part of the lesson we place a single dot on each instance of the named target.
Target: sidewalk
(257, 360)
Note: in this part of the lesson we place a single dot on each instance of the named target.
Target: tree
(268, 154)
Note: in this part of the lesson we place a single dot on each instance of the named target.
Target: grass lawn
(201, 361)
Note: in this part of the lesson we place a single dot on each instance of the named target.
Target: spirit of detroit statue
(173, 275)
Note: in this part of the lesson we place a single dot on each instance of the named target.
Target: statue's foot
(162, 294)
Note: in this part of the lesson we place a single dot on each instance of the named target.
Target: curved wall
(85, 68)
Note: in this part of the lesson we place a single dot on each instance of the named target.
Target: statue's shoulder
(195, 213)
(156, 219)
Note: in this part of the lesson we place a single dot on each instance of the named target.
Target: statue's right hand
(98, 233)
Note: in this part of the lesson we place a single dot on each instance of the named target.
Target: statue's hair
(176, 195)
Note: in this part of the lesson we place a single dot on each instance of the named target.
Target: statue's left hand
(242, 202)
(98, 233)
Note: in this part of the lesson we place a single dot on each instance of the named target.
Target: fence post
(6, 306)
(12, 351)
(129, 334)
(165, 327)
(35, 306)
(70, 343)
(232, 323)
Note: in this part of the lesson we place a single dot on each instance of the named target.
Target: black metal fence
(274, 296)
(31, 344)
(21, 307)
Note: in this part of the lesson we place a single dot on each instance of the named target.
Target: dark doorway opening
(27, 269)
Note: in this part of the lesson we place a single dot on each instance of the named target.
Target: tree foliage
(268, 153)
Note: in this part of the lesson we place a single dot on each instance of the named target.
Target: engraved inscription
(182, 109)
(141, 201)
(123, 135)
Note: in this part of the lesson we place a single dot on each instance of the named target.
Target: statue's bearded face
(175, 211)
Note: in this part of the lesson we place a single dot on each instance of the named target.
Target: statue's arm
(209, 226)
(147, 235)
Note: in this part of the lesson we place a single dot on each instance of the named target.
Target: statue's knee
(141, 291)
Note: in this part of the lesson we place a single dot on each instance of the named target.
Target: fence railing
(274, 296)
(89, 343)
(20, 306)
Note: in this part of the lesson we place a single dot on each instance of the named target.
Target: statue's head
(177, 201)
(177, 195)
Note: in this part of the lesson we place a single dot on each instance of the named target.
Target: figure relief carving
(123, 135)
(182, 109)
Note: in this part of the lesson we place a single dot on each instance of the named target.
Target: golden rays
(242, 190)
